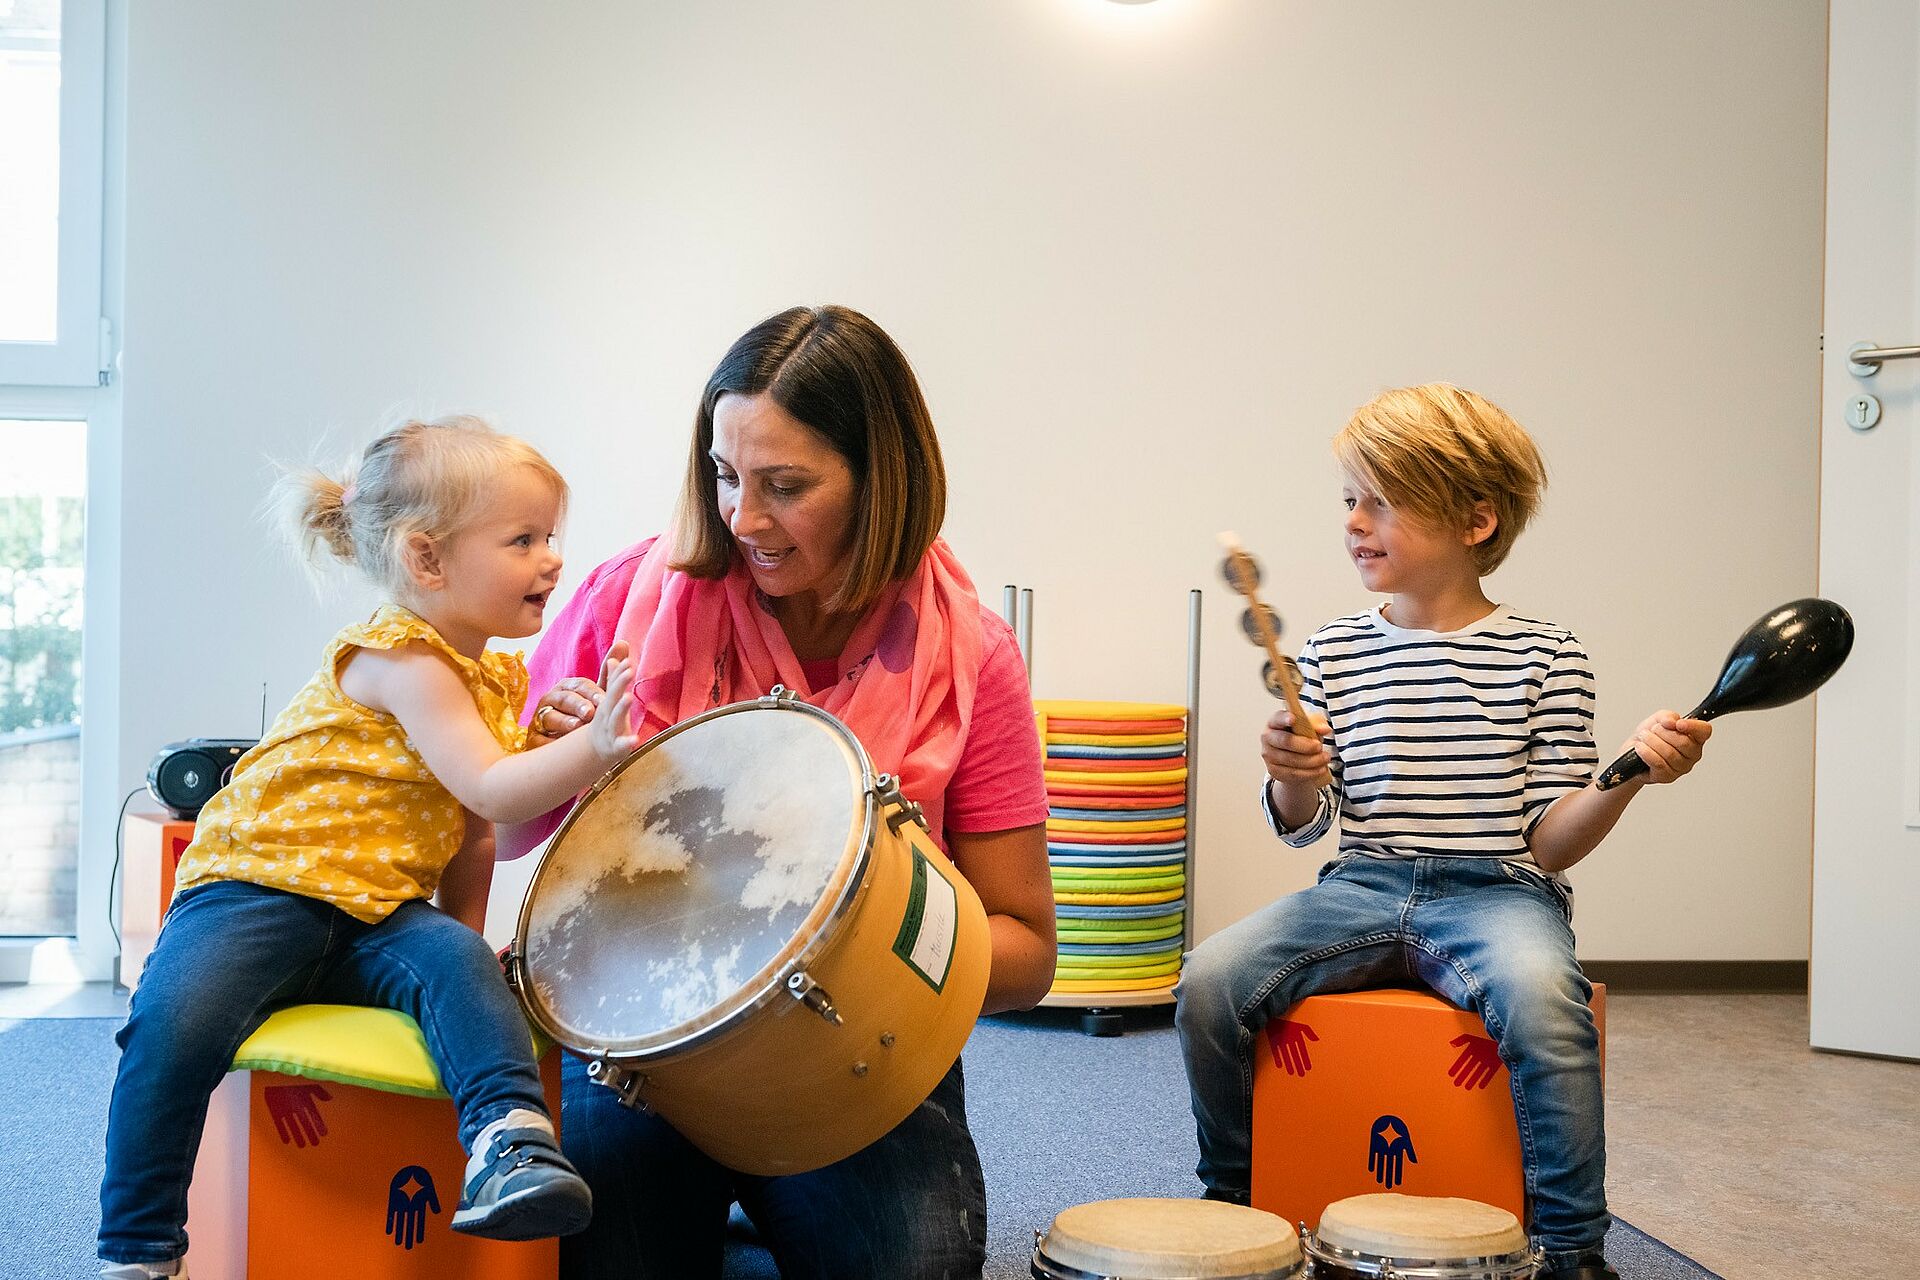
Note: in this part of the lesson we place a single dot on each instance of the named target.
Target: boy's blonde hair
(420, 477)
(1435, 450)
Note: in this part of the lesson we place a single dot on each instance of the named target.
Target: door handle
(1864, 359)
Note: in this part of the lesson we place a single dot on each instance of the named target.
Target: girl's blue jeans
(1483, 933)
(228, 954)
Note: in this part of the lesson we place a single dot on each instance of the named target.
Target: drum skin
(788, 1091)
(759, 1080)
(1151, 1238)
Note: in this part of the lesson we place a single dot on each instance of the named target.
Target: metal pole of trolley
(1010, 610)
(1024, 629)
(1193, 756)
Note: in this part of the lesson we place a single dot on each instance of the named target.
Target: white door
(1866, 838)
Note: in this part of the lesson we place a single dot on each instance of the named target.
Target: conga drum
(1154, 1239)
(745, 929)
(1387, 1236)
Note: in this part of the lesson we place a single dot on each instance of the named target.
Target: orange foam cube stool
(1371, 1091)
(304, 1174)
(154, 843)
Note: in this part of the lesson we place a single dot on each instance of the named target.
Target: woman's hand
(1669, 745)
(571, 703)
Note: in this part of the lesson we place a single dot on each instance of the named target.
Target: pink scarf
(907, 674)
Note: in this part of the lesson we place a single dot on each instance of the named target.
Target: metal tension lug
(803, 988)
(624, 1081)
(886, 790)
(510, 965)
(779, 696)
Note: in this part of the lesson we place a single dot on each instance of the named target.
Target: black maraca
(1780, 659)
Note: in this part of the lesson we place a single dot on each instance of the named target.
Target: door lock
(1863, 411)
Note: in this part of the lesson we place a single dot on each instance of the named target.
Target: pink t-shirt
(997, 785)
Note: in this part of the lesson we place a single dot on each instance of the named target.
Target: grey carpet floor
(1061, 1119)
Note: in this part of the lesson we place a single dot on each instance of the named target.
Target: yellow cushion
(1075, 986)
(347, 1044)
(1129, 777)
(1126, 826)
(1114, 739)
(1118, 899)
(1068, 710)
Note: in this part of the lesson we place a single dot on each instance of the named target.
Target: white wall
(1147, 255)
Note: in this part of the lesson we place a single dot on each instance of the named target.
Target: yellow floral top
(335, 803)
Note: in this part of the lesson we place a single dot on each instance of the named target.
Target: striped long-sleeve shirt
(1445, 744)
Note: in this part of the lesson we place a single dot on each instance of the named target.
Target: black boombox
(184, 775)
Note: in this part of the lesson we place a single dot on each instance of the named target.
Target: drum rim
(1046, 1267)
(1517, 1265)
(791, 960)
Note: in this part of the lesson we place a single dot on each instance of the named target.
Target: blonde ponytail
(312, 508)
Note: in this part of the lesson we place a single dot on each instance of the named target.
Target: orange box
(154, 843)
(300, 1177)
(1373, 1091)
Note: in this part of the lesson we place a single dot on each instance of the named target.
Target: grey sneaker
(174, 1270)
(519, 1187)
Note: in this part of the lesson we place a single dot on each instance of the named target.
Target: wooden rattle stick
(1242, 573)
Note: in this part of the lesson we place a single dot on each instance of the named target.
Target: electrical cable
(119, 850)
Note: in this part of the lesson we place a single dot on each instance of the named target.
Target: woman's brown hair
(840, 374)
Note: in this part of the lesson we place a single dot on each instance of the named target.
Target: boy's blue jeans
(1483, 933)
(227, 955)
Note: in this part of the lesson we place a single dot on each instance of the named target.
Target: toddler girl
(312, 874)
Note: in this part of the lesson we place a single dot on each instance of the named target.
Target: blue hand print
(410, 1198)
(1388, 1143)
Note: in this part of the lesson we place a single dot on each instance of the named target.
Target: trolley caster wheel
(1102, 1022)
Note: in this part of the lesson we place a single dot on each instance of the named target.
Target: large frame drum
(743, 928)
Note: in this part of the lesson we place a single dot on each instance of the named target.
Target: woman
(805, 552)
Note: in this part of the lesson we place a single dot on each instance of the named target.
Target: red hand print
(295, 1109)
(1287, 1041)
(1478, 1063)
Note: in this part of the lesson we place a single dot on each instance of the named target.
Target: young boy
(1454, 739)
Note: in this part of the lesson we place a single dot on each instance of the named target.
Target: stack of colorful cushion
(1117, 842)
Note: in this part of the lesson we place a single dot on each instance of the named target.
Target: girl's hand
(571, 703)
(430, 698)
(1669, 744)
(1294, 759)
(612, 729)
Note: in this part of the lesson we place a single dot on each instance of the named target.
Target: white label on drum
(931, 925)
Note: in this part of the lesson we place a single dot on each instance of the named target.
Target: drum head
(675, 892)
(1143, 1239)
(1388, 1224)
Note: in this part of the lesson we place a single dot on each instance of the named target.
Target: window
(42, 519)
(59, 421)
(52, 117)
